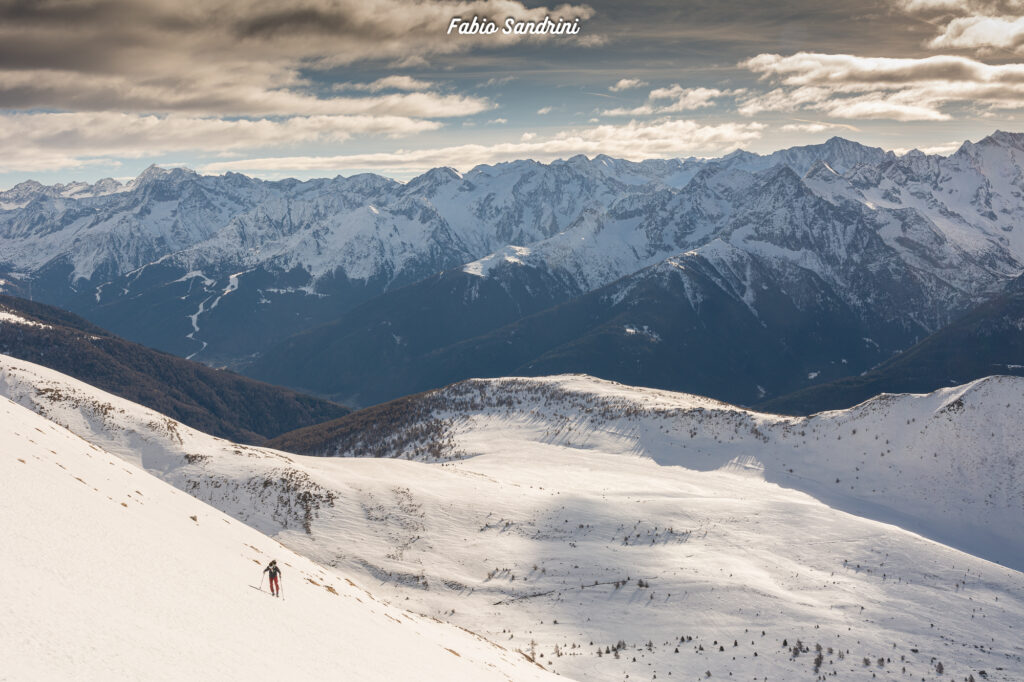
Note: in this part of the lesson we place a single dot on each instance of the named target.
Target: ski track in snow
(194, 317)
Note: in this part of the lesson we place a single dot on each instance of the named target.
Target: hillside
(985, 341)
(120, 576)
(218, 402)
(675, 325)
(893, 458)
(564, 517)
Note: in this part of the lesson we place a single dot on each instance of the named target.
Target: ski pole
(261, 582)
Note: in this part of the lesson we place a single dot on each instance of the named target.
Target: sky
(312, 88)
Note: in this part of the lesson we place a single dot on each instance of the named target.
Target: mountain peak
(1004, 138)
(741, 154)
(155, 172)
(107, 186)
(151, 172)
(999, 138)
(27, 185)
(837, 141)
(436, 176)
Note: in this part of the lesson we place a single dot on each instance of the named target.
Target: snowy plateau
(595, 530)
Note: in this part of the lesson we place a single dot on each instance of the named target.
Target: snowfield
(562, 517)
(111, 574)
(947, 464)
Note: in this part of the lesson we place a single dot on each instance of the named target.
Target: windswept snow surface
(115, 575)
(947, 464)
(563, 516)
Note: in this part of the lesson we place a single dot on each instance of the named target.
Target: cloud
(224, 56)
(848, 86)
(688, 98)
(806, 68)
(933, 6)
(412, 61)
(212, 93)
(634, 140)
(805, 126)
(683, 99)
(544, 110)
(498, 121)
(626, 84)
(406, 83)
(872, 107)
(48, 141)
(592, 40)
(497, 80)
(979, 25)
(940, 149)
(982, 33)
(642, 110)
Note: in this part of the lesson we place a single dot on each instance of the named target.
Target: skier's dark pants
(274, 586)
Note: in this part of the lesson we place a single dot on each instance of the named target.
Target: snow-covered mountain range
(886, 249)
(600, 529)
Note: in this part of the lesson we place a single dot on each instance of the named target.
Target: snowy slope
(912, 238)
(866, 252)
(553, 499)
(972, 197)
(117, 575)
(947, 464)
(634, 231)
